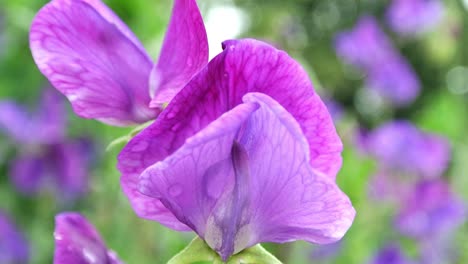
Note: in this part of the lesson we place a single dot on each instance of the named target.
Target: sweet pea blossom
(412, 17)
(94, 59)
(400, 146)
(45, 157)
(13, 246)
(368, 48)
(245, 153)
(78, 242)
(432, 210)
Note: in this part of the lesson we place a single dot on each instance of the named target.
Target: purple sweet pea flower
(412, 17)
(94, 59)
(391, 254)
(245, 153)
(401, 146)
(430, 211)
(13, 246)
(369, 49)
(78, 242)
(45, 157)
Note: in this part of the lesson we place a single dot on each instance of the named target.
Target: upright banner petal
(183, 54)
(90, 56)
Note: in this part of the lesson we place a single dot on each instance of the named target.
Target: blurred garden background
(394, 75)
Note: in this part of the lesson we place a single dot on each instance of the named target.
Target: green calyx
(198, 252)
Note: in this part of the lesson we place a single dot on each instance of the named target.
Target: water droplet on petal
(175, 190)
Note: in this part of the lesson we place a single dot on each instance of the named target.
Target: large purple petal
(78, 242)
(89, 55)
(183, 54)
(13, 246)
(246, 178)
(244, 66)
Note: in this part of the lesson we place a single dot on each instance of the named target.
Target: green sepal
(125, 139)
(198, 252)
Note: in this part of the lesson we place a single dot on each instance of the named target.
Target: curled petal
(90, 56)
(183, 54)
(246, 178)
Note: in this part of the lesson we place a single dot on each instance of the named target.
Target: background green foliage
(315, 23)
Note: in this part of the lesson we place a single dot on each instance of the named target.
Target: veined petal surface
(244, 66)
(246, 178)
(183, 54)
(90, 56)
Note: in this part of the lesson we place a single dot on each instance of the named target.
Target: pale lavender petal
(432, 210)
(78, 242)
(28, 173)
(90, 56)
(292, 200)
(183, 54)
(13, 246)
(246, 178)
(244, 66)
(413, 17)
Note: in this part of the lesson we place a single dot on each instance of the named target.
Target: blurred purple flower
(45, 157)
(334, 108)
(390, 186)
(94, 59)
(245, 153)
(78, 242)
(369, 49)
(13, 246)
(391, 254)
(412, 17)
(326, 252)
(401, 146)
(431, 210)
